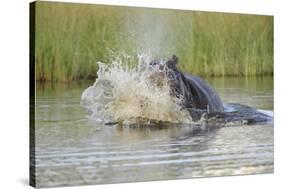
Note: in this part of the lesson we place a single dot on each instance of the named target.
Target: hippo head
(168, 68)
(164, 65)
(171, 64)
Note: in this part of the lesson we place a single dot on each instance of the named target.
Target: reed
(71, 38)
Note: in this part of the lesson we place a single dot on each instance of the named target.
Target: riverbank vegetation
(71, 38)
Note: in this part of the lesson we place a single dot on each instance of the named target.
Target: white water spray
(126, 93)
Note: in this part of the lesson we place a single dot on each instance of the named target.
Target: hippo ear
(175, 59)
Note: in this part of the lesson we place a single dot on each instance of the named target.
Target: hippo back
(204, 97)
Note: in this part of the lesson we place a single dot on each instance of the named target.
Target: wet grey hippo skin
(200, 99)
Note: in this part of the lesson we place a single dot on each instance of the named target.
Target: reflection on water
(71, 150)
(254, 91)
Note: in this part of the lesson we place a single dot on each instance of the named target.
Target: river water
(72, 150)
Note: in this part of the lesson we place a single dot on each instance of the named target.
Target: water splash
(127, 92)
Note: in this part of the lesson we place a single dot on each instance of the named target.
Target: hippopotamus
(201, 100)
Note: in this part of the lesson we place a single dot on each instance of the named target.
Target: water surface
(72, 150)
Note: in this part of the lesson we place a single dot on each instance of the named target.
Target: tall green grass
(71, 38)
